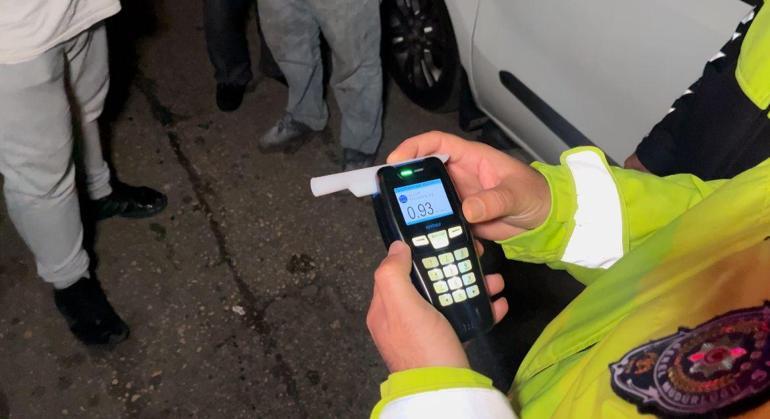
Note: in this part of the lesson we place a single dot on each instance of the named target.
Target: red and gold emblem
(705, 370)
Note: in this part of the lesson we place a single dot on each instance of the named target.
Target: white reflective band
(454, 403)
(749, 16)
(735, 36)
(717, 56)
(597, 240)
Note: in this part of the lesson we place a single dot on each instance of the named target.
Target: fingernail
(396, 247)
(474, 209)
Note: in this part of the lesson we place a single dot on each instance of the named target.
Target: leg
(36, 161)
(89, 78)
(226, 42)
(267, 64)
(228, 49)
(352, 28)
(96, 169)
(292, 34)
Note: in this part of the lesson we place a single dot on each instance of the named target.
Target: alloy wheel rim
(417, 42)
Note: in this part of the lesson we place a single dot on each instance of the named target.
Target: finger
(493, 230)
(491, 204)
(511, 200)
(426, 144)
(392, 278)
(499, 309)
(633, 162)
(495, 284)
(479, 247)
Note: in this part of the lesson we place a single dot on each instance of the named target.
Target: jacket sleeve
(599, 213)
(441, 392)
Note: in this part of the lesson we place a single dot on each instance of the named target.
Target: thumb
(392, 276)
(509, 201)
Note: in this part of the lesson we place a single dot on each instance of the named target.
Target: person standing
(719, 126)
(53, 72)
(224, 22)
(292, 29)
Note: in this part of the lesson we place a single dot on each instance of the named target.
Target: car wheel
(419, 51)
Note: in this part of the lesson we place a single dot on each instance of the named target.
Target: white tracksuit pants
(39, 100)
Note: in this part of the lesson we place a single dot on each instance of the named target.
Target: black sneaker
(128, 201)
(89, 315)
(354, 159)
(229, 96)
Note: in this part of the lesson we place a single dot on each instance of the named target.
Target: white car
(555, 74)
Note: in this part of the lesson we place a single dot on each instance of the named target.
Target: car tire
(419, 52)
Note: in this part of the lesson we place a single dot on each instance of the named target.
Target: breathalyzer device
(416, 202)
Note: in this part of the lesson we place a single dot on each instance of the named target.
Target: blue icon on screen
(402, 198)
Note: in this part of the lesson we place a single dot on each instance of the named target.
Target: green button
(440, 287)
(430, 262)
(446, 258)
(469, 279)
(435, 274)
(465, 266)
(461, 254)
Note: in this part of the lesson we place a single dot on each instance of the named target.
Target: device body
(417, 204)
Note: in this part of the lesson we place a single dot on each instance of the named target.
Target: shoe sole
(155, 211)
(116, 339)
(112, 339)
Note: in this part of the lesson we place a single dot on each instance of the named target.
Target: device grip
(470, 319)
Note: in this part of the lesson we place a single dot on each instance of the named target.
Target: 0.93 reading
(423, 210)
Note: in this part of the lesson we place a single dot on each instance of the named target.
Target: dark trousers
(225, 26)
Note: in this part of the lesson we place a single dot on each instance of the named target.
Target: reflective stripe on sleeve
(597, 239)
(470, 403)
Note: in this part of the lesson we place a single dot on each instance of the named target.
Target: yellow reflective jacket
(692, 250)
(656, 255)
(664, 260)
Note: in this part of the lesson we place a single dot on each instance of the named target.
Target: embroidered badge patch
(711, 368)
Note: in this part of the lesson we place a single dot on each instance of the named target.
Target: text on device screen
(423, 201)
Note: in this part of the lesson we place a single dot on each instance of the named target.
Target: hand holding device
(417, 203)
(408, 331)
(501, 196)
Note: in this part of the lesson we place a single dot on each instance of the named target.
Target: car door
(556, 74)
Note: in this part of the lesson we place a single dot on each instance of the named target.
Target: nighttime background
(247, 297)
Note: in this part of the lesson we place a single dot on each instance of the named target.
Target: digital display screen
(423, 201)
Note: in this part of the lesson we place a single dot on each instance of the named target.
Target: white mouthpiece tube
(361, 182)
